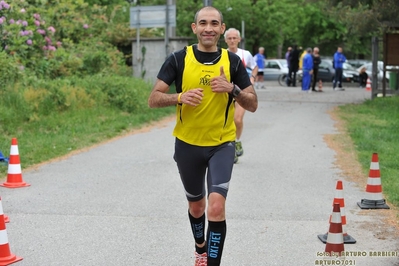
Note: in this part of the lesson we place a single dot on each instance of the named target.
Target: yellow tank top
(211, 123)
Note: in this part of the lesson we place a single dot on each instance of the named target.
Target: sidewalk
(122, 203)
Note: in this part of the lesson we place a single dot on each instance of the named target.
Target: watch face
(236, 91)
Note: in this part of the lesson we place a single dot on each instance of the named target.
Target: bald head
(208, 8)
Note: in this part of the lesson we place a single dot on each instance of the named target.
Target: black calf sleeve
(198, 228)
(215, 241)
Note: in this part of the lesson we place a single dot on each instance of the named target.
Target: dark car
(327, 72)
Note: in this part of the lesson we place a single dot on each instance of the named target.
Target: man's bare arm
(160, 98)
(248, 99)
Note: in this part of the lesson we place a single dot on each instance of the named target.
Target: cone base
(9, 260)
(372, 204)
(347, 239)
(14, 185)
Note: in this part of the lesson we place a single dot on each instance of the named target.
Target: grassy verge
(374, 127)
(62, 133)
(53, 117)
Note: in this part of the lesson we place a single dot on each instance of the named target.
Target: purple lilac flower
(85, 26)
(1, 20)
(5, 5)
(36, 16)
(23, 10)
(37, 23)
(42, 32)
(24, 23)
(44, 47)
(12, 21)
(51, 48)
(51, 28)
(29, 42)
(47, 39)
(59, 44)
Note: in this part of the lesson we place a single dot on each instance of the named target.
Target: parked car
(380, 69)
(274, 68)
(356, 63)
(350, 74)
(327, 72)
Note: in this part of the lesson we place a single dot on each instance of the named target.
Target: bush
(10, 71)
(37, 98)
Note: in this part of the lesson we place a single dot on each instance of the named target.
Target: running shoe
(201, 259)
(239, 150)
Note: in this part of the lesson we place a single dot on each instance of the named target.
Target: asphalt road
(122, 203)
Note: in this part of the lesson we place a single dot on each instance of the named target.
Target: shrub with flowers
(60, 56)
(59, 38)
(25, 35)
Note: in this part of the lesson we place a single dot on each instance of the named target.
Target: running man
(208, 79)
(232, 37)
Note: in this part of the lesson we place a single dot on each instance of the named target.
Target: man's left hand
(220, 83)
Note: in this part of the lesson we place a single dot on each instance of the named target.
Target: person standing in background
(232, 37)
(339, 60)
(304, 52)
(307, 69)
(260, 62)
(287, 56)
(287, 59)
(294, 65)
(363, 76)
(316, 63)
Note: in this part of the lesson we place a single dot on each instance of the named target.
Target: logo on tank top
(205, 80)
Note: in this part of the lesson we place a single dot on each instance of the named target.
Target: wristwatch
(236, 91)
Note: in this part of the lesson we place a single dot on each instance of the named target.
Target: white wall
(154, 56)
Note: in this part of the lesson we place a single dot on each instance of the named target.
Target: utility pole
(207, 2)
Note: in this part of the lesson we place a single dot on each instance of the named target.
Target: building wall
(147, 64)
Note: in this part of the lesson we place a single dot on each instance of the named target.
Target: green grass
(374, 128)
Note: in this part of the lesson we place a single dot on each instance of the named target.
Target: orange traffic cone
(335, 239)
(14, 176)
(6, 258)
(339, 198)
(374, 199)
(368, 85)
(320, 85)
(6, 219)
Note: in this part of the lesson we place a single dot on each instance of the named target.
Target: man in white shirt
(232, 38)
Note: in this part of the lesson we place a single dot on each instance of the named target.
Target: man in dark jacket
(294, 65)
(316, 63)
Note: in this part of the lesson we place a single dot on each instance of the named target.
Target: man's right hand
(192, 97)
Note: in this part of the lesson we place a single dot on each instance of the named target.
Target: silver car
(274, 68)
(380, 69)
